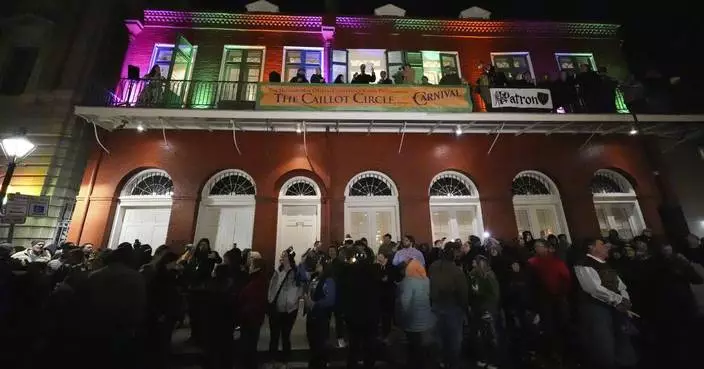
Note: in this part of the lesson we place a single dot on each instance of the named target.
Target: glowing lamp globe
(17, 147)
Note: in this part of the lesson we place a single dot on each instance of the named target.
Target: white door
(537, 219)
(297, 228)
(372, 223)
(619, 216)
(225, 226)
(148, 225)
(454, 222)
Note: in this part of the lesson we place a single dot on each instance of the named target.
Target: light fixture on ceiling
(140, 128)
(633, 131)
(458, 130)
(486, 234)
(298, 128)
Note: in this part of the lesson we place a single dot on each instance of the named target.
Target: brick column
(265, 220)
(182, 223)
(100, 214)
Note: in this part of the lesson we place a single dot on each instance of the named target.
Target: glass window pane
(395, 57)
(359, 225)
(163, 54)
(293, 56)
(234, 56)
(465, 224)
(502, 62)
(179, 72)
(603, 219)
(566, 62)
(164, 68)
(291, 72)
(622, 214)
(441, 224)
(339, 56)
(232, 73)
(449, 61)
(313, 57)
(414, 58)
(253, 75)
(340, 70)
(523, 220)
(547, 220)
(254, 56)
(383, 226)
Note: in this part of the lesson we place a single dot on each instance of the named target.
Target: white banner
(527, 98)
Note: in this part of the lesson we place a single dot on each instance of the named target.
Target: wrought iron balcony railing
(189, 94)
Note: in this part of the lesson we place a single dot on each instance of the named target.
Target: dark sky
(662, 34)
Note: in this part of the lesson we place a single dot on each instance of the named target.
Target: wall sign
(526, 98)
(293, 96)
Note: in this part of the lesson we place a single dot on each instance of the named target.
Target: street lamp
(15, 148)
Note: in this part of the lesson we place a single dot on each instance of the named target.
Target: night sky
(664, 35)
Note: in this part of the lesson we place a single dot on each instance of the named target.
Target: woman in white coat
(285, 291)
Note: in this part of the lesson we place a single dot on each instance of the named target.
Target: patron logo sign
(526, 98)
(363, 97)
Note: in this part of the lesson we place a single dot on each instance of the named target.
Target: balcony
(213, 105)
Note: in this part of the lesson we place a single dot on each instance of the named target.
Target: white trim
(590, 55)
(371, 204)
(312, 48)
(205, 193)
(626, 198)
(285, 200)
(457, 202)
(535, 202)
(526, 53)
(224, 53)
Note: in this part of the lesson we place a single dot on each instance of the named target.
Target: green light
(621, 103)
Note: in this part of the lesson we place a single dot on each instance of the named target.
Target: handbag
(271, 307)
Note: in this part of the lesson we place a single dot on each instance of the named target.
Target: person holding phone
(363, 77)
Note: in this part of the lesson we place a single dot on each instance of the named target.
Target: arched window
(455, 210)
(537, 204)
(232, 183)
(150, 182)
(298, 223)
(371, 207)
(616, 204)
(144, 209)
(226, 211)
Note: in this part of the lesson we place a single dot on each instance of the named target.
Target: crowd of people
(534, 302)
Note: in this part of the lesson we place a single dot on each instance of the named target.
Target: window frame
(304, 49)
(152, 60)
(519, 53)
(223, 64)
(588, 55)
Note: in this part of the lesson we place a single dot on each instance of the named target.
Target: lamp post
(15, 148)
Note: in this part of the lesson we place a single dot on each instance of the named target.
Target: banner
(300, 96)
(526, 98)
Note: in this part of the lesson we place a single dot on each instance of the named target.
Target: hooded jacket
(292, 289)
(414, 311)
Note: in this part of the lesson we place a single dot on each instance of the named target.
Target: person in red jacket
(552, 282)
(252, 310)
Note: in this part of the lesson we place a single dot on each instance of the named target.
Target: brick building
(211, 164)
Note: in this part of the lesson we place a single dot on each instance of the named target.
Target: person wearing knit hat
(415, 316)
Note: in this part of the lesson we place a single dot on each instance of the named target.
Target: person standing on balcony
(300, 77)
(450, 77)
(384, 78)
(317, 77)
(152, 92)
(363, 77)
(409, 74)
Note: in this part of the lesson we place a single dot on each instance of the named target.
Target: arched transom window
(300, 186)
(537, 204)
(371, 184)
(232, 182)
(449, 184)
(455, 210)
(616, 204)
(151, 182)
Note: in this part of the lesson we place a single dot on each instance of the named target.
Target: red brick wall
(333, 159)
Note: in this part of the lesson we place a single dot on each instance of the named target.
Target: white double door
(372, 223)
(146, 224)
(538, 219)
(454, 222)
(625, 217)
(298, 227)
(226, 225)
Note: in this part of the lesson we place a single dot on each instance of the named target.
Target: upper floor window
(308, 58)
(162, 58)
(573, 61)
(175, 61)
(513, 64)
(16, 70)
(242, 66)
(428, 63)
